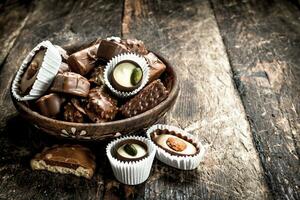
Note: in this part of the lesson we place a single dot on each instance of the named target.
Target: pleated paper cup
(47, 72)
(179, 162)
(141, 61)
(131, 172)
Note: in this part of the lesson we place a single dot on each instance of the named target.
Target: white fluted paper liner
(180, 162)
(50, 66)
(141, 61)
(131, 172)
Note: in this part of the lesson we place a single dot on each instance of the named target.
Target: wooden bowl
(100, 131)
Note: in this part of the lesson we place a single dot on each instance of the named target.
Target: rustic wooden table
(238, 63)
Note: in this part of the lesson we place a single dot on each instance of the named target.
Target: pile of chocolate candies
(111, 79)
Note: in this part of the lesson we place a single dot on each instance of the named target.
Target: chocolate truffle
(71, 83)
(174, 143)
(30, 75)
(83, 61)
(49, 105)
(126, 76)
(156, 66)
(109, 49)
(131, 150)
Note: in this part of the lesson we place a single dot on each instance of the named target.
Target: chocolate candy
(63, 53)
(74, 112)
(97, 76)
(71, 83)
(174, 143)
(101, 107)
(49, 105)
(157, 67)
(31, 72)
(131, 150)
(66, 159)
(134, 45)
(146, 99)
(109, 49)
(126, 76)
(83, 61)
(64, 67)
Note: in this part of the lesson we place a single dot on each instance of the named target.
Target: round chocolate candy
(174, 143)
(131, 150)
(126, 76)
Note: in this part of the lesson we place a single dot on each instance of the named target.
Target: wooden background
(239, 66)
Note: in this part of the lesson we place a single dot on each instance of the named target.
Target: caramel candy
(73, 112)
(83, 61)
(157, 67)
(101, 107)
(49, 105)
(147, 98)
(109, 49)
(66, 159)
(71, 83)
(31, 72)
(134, 45)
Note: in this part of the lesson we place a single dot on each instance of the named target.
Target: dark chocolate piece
(101, 107)
(109, 49)
(97, 76)
(66, 159)
(71, 83)
(126, 76)
(83, 61)
(30, 75)
(147, 98)
(49, 105)
(130, 150)
(134, 45)
(157, 67)
(73, 114)
(63, 53)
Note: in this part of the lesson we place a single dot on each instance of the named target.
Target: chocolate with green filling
(131, 150)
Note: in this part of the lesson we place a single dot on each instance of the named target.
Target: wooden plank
(262, 40)
(61, 22)
(209, 106)
(13, 17)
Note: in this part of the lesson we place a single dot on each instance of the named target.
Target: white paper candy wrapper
(50, 66)
(180, 162)
(131, 172)
(127, 56)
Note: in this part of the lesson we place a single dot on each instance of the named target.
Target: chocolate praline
(174, 143)
(131, 150)
(126, 76)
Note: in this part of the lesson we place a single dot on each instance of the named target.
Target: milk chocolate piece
(134, 45)
(64, 67)
(131, 150)
(73, 112)
(101, 107)
(109, 49)
(157, 67)
(147, 98)
(97, 76)
(83, 61)
(30, 75)
(49, 105)
(174, 143)
(66, 159)
(63, 53)
(71, 83)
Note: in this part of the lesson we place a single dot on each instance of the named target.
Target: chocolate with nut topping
(74, 112)
(97, 76)
(83, 61)
(30, 75)
(101, 107)
(156, 66)
(147, 98)
(134, 45)
(131, 150)
(174, 143)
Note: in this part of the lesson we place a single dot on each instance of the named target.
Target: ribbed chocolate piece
(134, 45)
(66, 159)
(147, 98)
(71, 83)
(49, 105)
(101, 107)
(109, 49)
(157, 67)
(83, 61)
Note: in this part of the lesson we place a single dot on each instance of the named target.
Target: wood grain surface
(238, 67)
